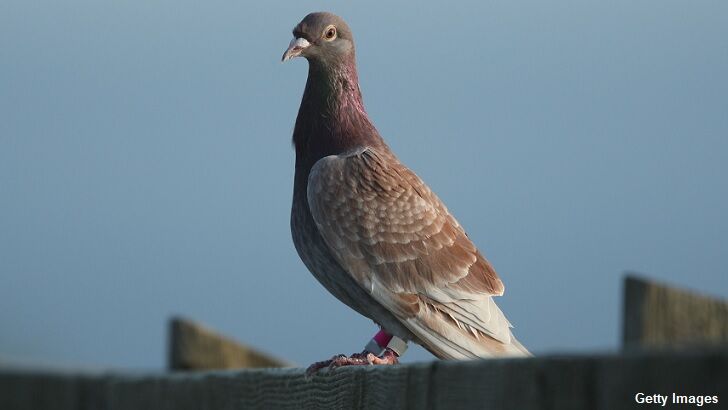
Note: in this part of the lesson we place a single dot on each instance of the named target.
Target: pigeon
(372, 232)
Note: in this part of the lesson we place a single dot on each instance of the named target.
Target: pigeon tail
(466, 328)
(446, 340)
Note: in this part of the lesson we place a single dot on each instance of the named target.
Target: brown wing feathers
(390, 232)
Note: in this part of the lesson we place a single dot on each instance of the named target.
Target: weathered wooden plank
(685, 373)
(567, 382)
(660, 316)
(194, 347)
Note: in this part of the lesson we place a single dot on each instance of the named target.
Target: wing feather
(397, 239)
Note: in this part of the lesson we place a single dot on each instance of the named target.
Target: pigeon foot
(388, 357)
(364, 358)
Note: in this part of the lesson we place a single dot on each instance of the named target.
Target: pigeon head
(331, 118)
(324, 39)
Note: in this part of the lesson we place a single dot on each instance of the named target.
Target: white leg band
(397, 345)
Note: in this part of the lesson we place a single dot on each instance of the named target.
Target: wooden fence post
(660, 316)
(194, 347)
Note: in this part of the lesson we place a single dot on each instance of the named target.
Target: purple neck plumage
(332, 119)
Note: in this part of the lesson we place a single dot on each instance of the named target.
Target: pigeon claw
(357, 359)
(315, 367)
(388, 357)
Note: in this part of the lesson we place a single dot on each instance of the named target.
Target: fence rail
(555, 382)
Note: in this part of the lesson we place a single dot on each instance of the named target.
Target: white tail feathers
(483, 333)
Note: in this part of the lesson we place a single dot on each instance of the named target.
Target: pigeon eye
(330, 33)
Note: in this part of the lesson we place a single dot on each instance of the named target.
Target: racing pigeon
(372, 232)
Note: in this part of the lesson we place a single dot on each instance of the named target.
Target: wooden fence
(602, 381)
(598, 382)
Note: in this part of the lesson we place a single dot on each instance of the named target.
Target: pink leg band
(382, 338)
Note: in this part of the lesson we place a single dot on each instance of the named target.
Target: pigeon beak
(295, 48)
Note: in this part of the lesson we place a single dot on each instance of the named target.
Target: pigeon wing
(399, 242)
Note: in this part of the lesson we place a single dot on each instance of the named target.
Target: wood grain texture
(557, 382)
(660, 316)
(195, 347)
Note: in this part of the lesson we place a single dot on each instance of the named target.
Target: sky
(146, 164)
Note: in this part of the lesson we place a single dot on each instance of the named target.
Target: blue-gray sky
(146, 165)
